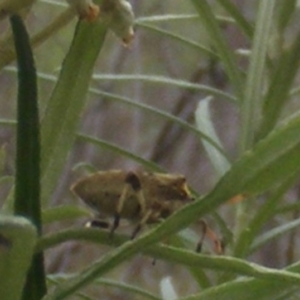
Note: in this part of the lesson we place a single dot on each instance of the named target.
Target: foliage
(259, 84)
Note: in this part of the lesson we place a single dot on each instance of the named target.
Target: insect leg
(119, 208)
(204, 229)
(141, 223)
(133, 181)
(212, 236)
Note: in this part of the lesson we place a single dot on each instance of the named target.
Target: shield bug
(140, 197)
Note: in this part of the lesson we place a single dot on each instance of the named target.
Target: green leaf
(2, 158)
(171, 254)
(272, 160)
(124, 287)
(280, 84)
(164, 81)
(252, 102)
(64, 109)
(120, 151)
(264, 276)
(251, 288)
(64, 212)
(205, 125)
(274, 233)
(28, 148)
(285, 11)
(27, 192)
(235, 13)
(220, 45)
(179, 38)
(17, 240)
(262, 216)
(246, 289)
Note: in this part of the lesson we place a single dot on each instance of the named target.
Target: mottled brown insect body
(140, 197)
(138, 193)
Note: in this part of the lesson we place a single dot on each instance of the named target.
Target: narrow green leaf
(124, 287)
(250, 289)
(166, 18)
(164, 81)
(171, 254)
(246, 289)
(2, 158)
(120, 151)
(220, 44)
(280, 85)
(178, 17)
(17, 240)
(179, 38)
(8, 122)
(63, 213)
(28, 148)
(235, 13)
(271, 161)
(205, 125)
(262, 216)
(127, 288)
(27, 191)
(266, 277)
(288, 208)
(274, 233)
(285, 10)
(251, 109)
(67, 101)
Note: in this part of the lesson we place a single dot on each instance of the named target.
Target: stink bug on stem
(140, 197)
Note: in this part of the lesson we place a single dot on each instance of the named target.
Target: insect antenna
(142, 223)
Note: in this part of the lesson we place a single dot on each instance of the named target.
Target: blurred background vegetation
(166, 69)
